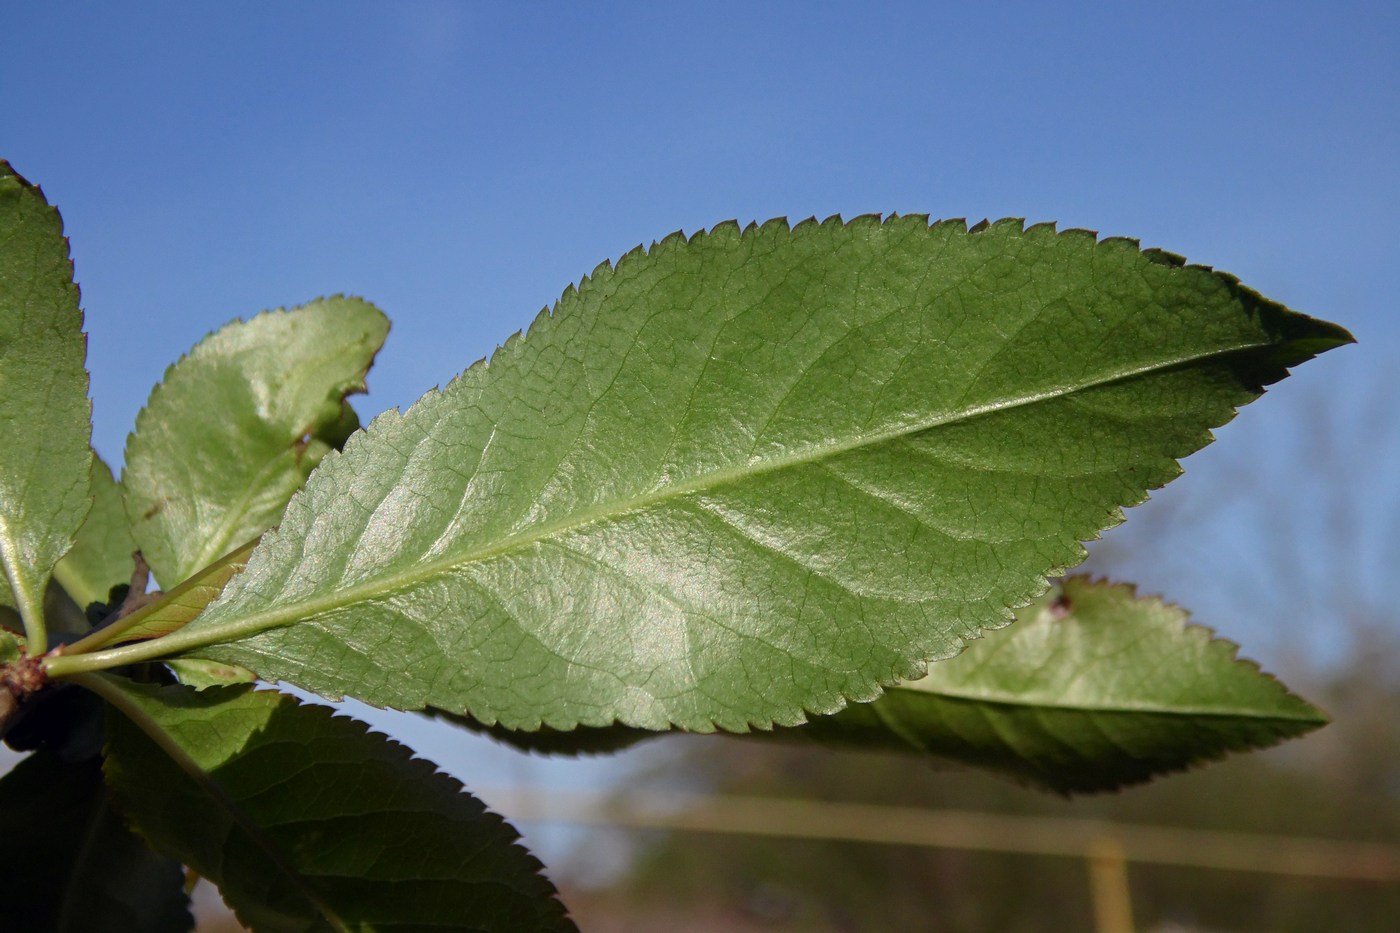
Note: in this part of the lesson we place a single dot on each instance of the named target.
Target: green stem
(105, 636)
(105, 686)
(73, 666)
(31, 609)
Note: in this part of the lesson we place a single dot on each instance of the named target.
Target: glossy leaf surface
(79, 868)
(236, 426)
(744, 477)
(1091, 690)
(45, 417)
(307, 821)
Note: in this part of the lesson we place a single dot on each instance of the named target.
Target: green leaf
(307, 821)
(744, 477)
(1091, 690)
(11, 645)
(101, 556)
(192, 672)
(70, 864)
(45, 416)
(236, 426)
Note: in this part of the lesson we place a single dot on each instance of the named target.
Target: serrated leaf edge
(194, 637)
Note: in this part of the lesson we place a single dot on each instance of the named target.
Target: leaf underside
(308, 821)
(71, 865)
(45, 417)
(745, 477)
(236, 426)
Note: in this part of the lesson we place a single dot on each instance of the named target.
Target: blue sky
(460, 164)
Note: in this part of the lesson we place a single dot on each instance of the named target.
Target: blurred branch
(957, 829)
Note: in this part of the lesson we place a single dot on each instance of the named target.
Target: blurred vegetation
(1346, 786)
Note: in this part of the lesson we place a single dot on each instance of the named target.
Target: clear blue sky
(460, 163)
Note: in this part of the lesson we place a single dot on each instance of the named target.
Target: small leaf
(175, 609)
(1091, 690)
(193, 672)
(45, 416)
(236, 426)
(307, 821)
(101, 555)
(11, 646)
(745, 477)
(70, 865)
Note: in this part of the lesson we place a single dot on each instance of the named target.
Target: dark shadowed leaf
(583, 740)
(78, 868)
(1091, 690)
(307, 821)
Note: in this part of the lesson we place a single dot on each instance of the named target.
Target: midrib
(194, 635)
(219, 542)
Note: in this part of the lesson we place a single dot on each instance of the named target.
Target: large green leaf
(1093, 689)
(45, 417)
(101, 555)
(744, 477)
(307, 821)
(71, 865)
(236, 426)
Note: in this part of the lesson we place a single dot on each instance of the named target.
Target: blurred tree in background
(1334, 623)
